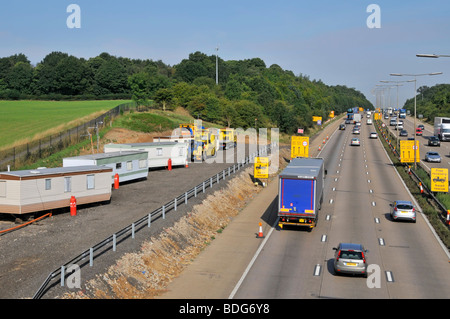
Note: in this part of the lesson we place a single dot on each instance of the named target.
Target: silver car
(403, 209)
(355, 142)
(433, 157)
(350, 259)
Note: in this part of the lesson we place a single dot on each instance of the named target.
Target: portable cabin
(159, 153)
(129, 165)
(29, 191)
(187, 139)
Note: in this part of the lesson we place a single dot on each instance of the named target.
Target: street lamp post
(421, 55)
(389, 103)
(415, 105)
(217, 65)
(397, 84)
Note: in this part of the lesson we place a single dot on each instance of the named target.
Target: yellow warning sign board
(261, 168)
(299, 146)
(407, 151)
(439, 180)
(317, 118)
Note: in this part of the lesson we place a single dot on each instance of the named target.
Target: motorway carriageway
(360, 186)
(408, 259)
(443, 150)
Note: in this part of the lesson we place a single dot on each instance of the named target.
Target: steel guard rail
(430, 193)
(161, 211)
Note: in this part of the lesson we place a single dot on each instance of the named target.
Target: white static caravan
(159, 153)
(29, 191)
(128, 165)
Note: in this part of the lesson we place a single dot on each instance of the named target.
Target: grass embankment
(424, 200)
(149, 122)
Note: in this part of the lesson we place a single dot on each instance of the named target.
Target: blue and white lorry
(300, 192)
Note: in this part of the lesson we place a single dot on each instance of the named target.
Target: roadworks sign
(439, 180)
(299, 146)
(407, 151)
(261, 168)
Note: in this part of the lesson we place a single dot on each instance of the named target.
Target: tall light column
(415, 104)
(217, 65)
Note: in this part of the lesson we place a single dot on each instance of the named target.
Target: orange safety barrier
(25, 224)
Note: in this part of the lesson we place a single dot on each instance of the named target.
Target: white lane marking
(389, 276)
(317, 270)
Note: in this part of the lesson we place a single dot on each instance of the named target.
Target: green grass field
(22, 121)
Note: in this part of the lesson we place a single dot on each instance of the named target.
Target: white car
(373, 135)
(369, 121)
(355, 142)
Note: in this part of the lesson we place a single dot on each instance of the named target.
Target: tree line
(431, 101)
(248, 91)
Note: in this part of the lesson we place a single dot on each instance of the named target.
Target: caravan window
(48, 184)
(142, 163)
(118, 165)
(90, 179)
(67, 184)
(181, 151)
(129, 166)
(159, 152)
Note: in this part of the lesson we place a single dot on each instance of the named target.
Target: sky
(327, 40)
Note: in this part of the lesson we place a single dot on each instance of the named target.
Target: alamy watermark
(74, 19)
(374, 19)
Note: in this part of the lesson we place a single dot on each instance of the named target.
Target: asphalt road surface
(443, 149)
(407, 260)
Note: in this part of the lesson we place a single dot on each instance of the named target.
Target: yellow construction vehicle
(188, 128)
(204, 145)
(227, 138)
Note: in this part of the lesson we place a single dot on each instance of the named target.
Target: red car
(418, 131)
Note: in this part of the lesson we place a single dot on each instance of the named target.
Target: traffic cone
(260, 234)
(448, 217)
(421, 188)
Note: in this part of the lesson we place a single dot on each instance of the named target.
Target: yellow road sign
(439, 180)
(261, 168)
(407, 151)
(299, 146)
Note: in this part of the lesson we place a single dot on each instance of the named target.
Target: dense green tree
(111, 77)
(20, 77)
(139, 84)
(72, 76)
(247, 89)
(163, 96)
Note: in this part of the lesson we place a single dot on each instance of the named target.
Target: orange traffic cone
(421, 188)
(260, 234)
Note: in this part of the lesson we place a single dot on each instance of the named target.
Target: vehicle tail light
(414, 209)
(339, 255)
(364, 258)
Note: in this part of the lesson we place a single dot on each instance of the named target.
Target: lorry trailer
(300, 192)
(442, 128)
